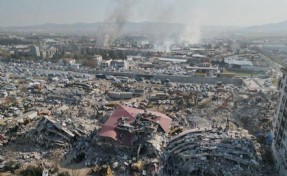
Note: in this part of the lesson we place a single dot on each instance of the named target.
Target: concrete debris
(211, 152)
(133, 125)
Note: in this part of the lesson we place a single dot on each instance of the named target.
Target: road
(172, 78)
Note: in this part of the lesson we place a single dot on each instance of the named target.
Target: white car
(8, 114)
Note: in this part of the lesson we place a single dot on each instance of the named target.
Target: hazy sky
(203, 12)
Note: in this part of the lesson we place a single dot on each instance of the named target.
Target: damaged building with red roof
(141, 130)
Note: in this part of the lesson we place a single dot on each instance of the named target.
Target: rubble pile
(211, 152)
(255, 113)
(49, 132)
(143, 133)
(129, 142)
(121, 126)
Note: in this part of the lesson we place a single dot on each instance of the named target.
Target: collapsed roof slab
(210, 152)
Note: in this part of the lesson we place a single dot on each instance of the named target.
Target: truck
(101, 76)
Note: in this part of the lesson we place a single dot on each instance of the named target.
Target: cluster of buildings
(208, 58)
(34, 51)
(191, 60)
(113, 64)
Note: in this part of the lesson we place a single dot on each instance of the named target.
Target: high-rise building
(279, 144)
(35, 51)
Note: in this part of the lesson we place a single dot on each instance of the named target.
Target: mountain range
(271, 27)
(126, 27)
(133, 27)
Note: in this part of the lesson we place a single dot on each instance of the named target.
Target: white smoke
(191, 34)
(164, 11)
(117, 20)
(164, 47)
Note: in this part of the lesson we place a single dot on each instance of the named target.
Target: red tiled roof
(109, 128)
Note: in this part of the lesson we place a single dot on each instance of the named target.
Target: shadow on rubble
(76, 154)
(21, 140)
(45, 139)
(70, 154)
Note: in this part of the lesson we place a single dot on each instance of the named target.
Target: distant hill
(100, 27)
(271, 27)
(160, 28)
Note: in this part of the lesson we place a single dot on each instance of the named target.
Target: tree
(92, 63)
(8, 101)
(4, 53)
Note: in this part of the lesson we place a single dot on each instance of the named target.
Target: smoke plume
(117, 20)
(187, 33)
(161, 11)
(191, 34)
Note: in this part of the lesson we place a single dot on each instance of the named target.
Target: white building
(233, 63)
(98, 59)
(251, 62)
(67, 61)
(171, 60)
(74, 66)
(119, 64)
(35, 51)
(105, 64)
(279, 133)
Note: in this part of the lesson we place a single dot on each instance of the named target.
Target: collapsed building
(63, 95)
(86, 87)
(36, 87)
(126, 95)
(144, 131)
(212, 152)
(50, 132)
(255, 113)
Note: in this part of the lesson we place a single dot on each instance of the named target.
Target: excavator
(103, 171)
(175, 130)
(138, 166)
(108, 171)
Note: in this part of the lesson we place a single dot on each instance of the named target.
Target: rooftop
(172, 60)
(236, 61)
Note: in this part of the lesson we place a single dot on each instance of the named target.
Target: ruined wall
(181, 79)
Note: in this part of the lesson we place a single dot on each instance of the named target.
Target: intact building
(279, 145)
(105, 64)
(246, 62)
(35, 51)
(234, 62)
(119, 64)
